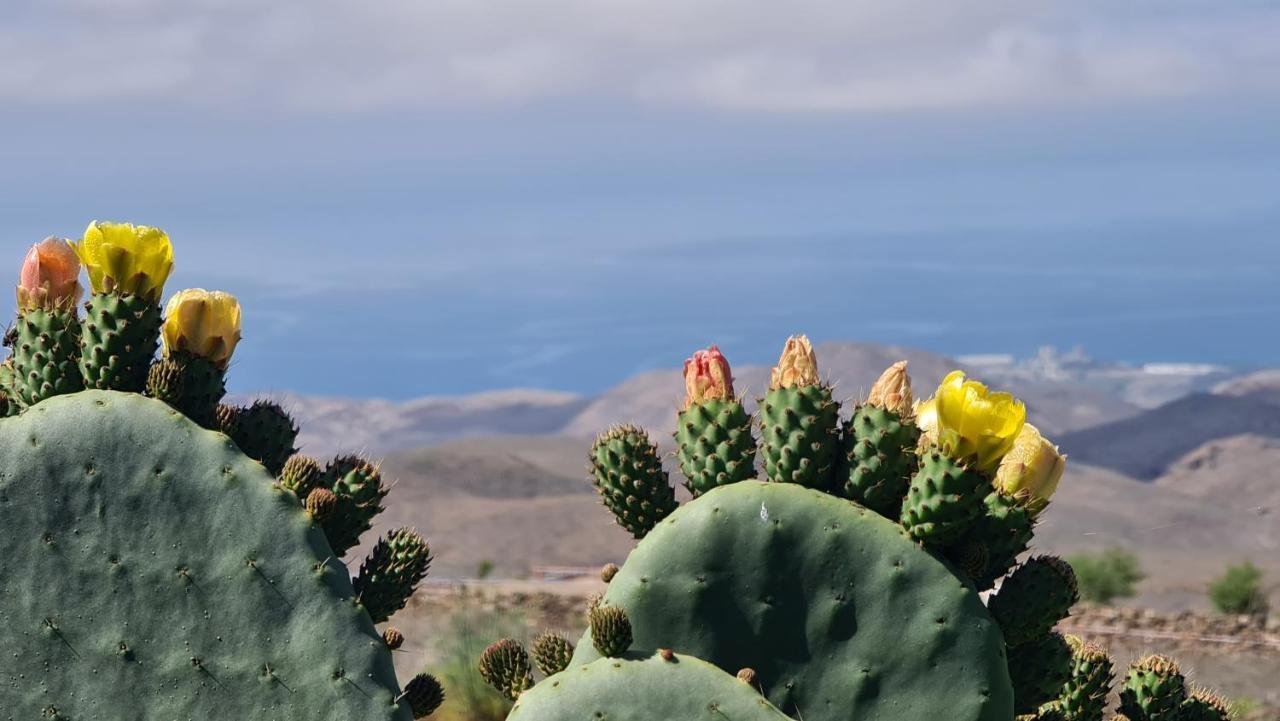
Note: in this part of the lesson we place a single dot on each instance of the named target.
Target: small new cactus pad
(192, 385)
(840, 614)
(1039, 670)
(118, 338)
(878, 459)
(552, 653)
(1034, 598)
(393, 638)
(944, 501)
(358, 486)
(302, 475)
(610, 630)
(628, 475)
(424, 695)
(505, 666)
(714, 445)
(1003, 529)
(153, 571)
(263, 431)
(671, 688)
(1084, 696)
(1204, 705)
(391, 573)
(1153, 690)
(46, 354)
(800, 435)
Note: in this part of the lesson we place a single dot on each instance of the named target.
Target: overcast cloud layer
(804, 55)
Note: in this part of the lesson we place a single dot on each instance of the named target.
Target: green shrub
(1106, 575)
(468, 697)
(484, 569)
(1239, 590)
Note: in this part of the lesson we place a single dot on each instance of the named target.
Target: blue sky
(444, 197)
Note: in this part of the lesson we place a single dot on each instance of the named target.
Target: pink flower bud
(50, 276)
(707, 377)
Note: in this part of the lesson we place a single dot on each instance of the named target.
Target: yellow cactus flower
(974, 424)
(927, 421)
(125, 258)
(202, 323)
(1032, 470)
(798, 366)
(892, 391)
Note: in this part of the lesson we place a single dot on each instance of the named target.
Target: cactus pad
(1039, 670)
(714, 444)
(628, 475)
(46, 355)
(944, 501)
(1153, 690)
(118, 339)
(878, 459)
(1084, 697)
(670, 687)
(800, 435)
(1034, 598)
(108, 499)
(838, 612)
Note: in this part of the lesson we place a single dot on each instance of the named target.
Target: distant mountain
(1241, 472)
(1147, 445)
(1263, 385)
(376, 427)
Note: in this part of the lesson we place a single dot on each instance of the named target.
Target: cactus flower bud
(203, 323)
(50, 277)
(798, 366)
(1031, 470)
(893, 390)
(126, 259)
(975, 425)
(707, 377)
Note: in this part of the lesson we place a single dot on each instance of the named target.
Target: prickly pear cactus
(857, 599)
(663, 687)
(830, 603)
(154, 570)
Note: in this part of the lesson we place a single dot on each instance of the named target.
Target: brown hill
(1146, 445)
(1241, 472)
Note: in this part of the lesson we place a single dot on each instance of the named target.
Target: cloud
(338, 56)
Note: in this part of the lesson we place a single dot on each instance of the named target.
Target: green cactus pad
(395, 567)
(118, 339)
(1039, 670)
(945, 500)
(672, 688)
(264, 431)
(1205, 706)
(152, 571)
(1003, 530)
(505, 666)
(838, 612)
(552, 653)
(191, 385)
(800, 435)
(1153, 690)
(628, 475)
(359, 490)
(879, 459)
(46, 356)
(1034, 598)
(1084, 696)
(714, 445)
